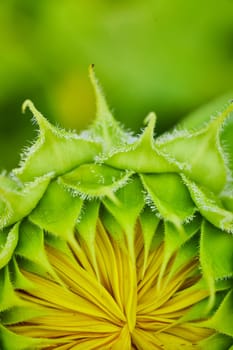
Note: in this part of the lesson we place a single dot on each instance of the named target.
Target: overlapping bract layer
(112, 302)
(181, 181)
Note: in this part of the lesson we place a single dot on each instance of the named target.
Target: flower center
(107, 301)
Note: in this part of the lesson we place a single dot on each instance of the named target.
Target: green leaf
(227, 197)
(7, 249)
(170, 196)
(8, 297)
(216, 251)
(18, 279)
(105, 128)
(216, 255)
(93, 180)
(200, 151)
(11, 341)
(141, 156)
(217, 342)
(227, 141)
(202, 115)
(222, 321)
(55, 150)
(173, 239)
(130, 201)
(17, 204)
(200, 311)
(58, 243)
(158, 236)
(86, 227)
(58, 211)
(186, 252)
(149, 223)
(112, 226)
(210, 206)
(35, 268)
(18, 314)
(31, 245)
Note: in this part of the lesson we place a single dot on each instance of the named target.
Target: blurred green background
(170, 56)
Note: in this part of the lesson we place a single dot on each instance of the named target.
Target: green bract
(178, 187)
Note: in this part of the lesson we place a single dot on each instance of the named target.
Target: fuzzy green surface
(182, 180)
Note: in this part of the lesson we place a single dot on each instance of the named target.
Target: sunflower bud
(115, 241)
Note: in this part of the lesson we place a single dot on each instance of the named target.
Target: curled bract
(140, 199)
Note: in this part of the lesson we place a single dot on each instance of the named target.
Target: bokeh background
(170, 56)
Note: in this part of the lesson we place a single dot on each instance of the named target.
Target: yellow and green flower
(115, 241)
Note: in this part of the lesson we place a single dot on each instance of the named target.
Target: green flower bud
(115, 241)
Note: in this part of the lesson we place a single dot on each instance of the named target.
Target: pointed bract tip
(95, 82)
(92, 74)
(150, 119)
(30, 105)
(37, 115)
(27, 104)
(225, 114)
(102, 110)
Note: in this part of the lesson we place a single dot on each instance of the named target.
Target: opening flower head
(112, 241)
